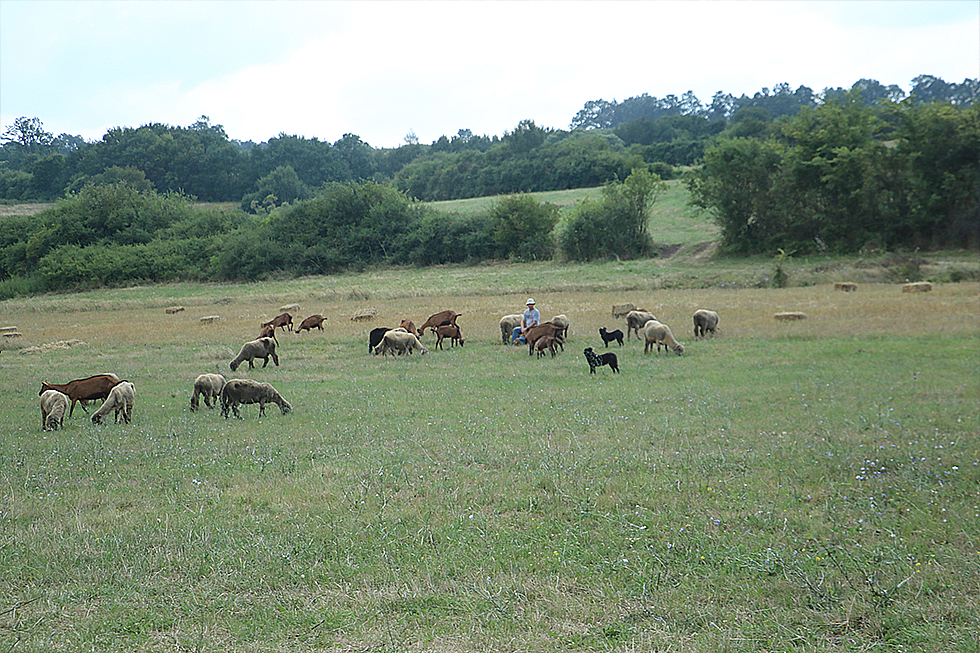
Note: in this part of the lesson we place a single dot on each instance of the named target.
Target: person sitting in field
(531, 318)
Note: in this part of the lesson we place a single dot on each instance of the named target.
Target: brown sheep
(247, 391)
(94, 387)
(438, 319)
(448, 331)
(310, 323)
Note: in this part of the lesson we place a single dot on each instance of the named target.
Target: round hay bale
(918, 286)
(620, 310)
(288, 308)
(362, 315)
(788, 316)
(174, 309)
(208, 319)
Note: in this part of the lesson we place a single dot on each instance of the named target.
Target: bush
(522, 227)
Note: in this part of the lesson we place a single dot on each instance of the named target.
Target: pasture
(809, 485)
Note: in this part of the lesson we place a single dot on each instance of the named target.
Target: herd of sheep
(119, 396)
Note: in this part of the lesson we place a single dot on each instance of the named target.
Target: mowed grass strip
(808, 485)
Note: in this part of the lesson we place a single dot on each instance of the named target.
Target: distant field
(804, 486)
(672, 220)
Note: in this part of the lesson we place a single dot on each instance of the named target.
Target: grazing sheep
(595, 360)
(283, 320)
(438, 319)
(310, 323)
(507, 325)
(659, 334)
(54, 405)
(247, 391)
(635, 321)
(846, 286)
(82, 390)
(609, 336)
(121, 399)
(263, 348)
(705, 322)
(208, 386)
(448, 331)
(918, 286)
(399, 341)
(545, 343)
(562, 322)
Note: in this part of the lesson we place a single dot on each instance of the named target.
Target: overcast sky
(381, 69)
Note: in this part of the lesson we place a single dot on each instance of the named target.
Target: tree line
(606, 140)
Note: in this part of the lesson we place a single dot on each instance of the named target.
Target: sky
(383, 69)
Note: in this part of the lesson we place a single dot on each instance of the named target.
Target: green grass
(801, 486)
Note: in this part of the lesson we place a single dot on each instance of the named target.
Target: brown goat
(284, 320)
(93, 387)
(545, 343)
(438, 319)
(409, 326)
(312, 322)
(268, 331)
(448, 331)
(544, 329)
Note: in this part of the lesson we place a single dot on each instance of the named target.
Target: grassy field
(805, 486)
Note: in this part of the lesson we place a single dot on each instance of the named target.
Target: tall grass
(800, 486)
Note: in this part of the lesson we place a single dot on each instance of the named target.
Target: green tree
(522, 227)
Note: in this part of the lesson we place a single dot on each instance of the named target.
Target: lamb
(282, 320)
(659, 334)
(545, 343)
(448, 331)
(507, 325)
(705, 322)
(121, 399)
(609, 336)
(263, 348)
(54, 405)
(310, 323)
(247, 391)
(596, 360)
(401, 342)
(635, 321)
(562, 322)
(208, 386)
(438, 319)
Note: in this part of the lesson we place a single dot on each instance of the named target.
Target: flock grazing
(547, 338)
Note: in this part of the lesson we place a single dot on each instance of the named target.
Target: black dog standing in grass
(609, 336)
(598, 361)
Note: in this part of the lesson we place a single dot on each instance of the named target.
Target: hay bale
(208, 319)
(362, 315)
(288, 308)
(620, 310)
(11, 334)
(846, 286)
(788, 316)
(7, 329)
(918, 286)
(174, 309)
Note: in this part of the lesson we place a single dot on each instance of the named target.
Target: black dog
(598, 361)
(609, 336)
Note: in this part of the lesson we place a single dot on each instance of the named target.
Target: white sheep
(635, 321)
(121, 399)
(247, 391)
(705, 322)
(400, 342)
(260, 348)
(507, 325)
(656, 333)
(54, 405)
(208, 386)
